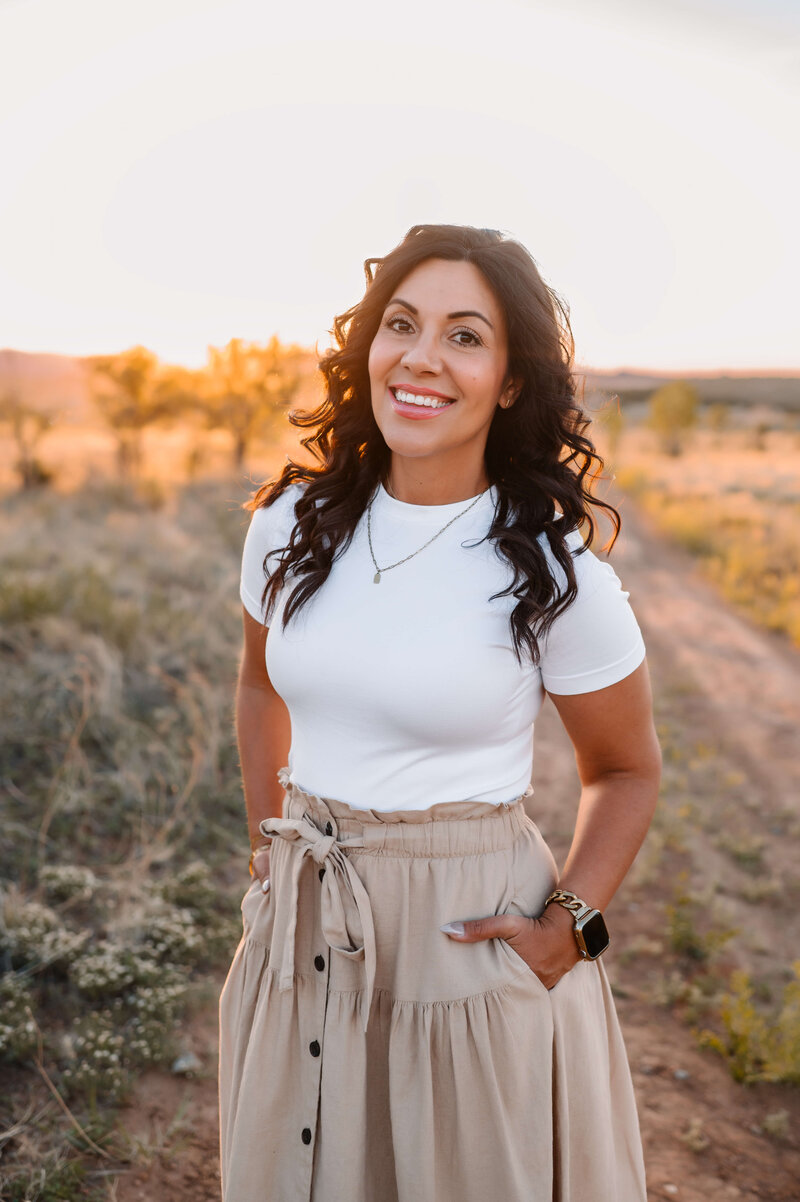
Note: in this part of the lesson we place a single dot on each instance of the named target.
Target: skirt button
(328, 828)
(306, 1136)
(314, 1048)
(319, 963)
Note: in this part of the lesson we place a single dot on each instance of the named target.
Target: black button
(314, 1048)
(328, 828)
(306, 1136)
(321, 873)
(319, 963)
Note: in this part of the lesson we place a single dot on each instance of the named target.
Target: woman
(417, 1010)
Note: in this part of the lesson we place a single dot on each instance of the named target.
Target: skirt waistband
(327, 831)
(449, 828)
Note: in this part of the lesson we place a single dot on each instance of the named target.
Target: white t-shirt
(408, 693)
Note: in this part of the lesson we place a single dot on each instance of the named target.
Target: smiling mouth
(422, 401)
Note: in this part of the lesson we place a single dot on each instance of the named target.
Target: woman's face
(438, 366)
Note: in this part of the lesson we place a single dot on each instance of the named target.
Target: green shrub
(97, 1068)
(107, 969)
(757, 1048)
(33, 936)
(18, 1036)
(685, 937)
(68, 882)
(54, 1180)
(673, 412)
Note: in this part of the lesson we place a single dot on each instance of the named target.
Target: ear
(513, 388)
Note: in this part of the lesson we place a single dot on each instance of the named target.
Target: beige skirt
(367, 1057)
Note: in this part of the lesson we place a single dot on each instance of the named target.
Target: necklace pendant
(376, 579)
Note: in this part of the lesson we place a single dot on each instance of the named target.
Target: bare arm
(619, 764)
(263, 732)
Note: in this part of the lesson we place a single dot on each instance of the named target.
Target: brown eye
(474, 339)
(392, 323)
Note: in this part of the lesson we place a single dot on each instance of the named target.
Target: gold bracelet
(254, 853)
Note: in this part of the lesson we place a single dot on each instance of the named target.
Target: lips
(423, 405)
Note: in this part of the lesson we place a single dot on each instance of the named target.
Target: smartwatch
(591, 932)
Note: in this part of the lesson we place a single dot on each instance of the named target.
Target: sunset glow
(182, 171)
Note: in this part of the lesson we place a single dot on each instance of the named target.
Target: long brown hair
(538, 455)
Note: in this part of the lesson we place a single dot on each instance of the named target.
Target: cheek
(379, 358)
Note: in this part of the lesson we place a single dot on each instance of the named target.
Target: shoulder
(596, 640)
(268, 533)
(277, 518)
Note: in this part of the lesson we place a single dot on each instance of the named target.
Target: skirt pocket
(534, 875)
(258, 914)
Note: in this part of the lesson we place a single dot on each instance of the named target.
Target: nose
(422, 354)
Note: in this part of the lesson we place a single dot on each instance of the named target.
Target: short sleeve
(269, 531)
(596, 641)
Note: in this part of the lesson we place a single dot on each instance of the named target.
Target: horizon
(745, 373)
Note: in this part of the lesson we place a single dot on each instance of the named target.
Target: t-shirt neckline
(430, 514)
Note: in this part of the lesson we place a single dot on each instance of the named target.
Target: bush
(34, 936)
(685, 937)
(18, 1035)
(97, 1069)
(757, 1049)
(68, 882)
(673, 413)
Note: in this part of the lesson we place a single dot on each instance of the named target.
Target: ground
(727, 699)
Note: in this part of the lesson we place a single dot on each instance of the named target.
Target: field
(123, 851)
(732, 499)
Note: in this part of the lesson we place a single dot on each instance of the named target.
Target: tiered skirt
(367, 1057)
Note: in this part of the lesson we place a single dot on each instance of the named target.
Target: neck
(415, 487)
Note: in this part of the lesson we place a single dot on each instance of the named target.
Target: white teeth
(411, 398)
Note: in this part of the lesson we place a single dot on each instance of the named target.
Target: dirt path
(732, 692)
(735, 691)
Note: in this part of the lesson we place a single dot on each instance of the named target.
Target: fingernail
(265, 886)
(453, 928)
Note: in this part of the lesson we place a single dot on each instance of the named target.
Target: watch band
(570, 901)
(591, 932)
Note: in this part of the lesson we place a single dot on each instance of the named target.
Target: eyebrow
(398, 300)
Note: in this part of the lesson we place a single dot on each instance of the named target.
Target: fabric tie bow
(346, 911)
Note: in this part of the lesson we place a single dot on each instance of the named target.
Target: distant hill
(747, 391)
(56, 383)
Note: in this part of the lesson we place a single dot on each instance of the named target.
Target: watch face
(595, 935)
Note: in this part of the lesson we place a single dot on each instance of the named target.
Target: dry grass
(124, 839)
(123, 823)
(733, 500)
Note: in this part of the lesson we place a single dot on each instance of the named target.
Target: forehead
(442, 285)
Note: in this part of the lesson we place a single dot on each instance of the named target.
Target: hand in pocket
(261, 868)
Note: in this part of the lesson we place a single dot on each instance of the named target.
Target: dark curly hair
(538, 455)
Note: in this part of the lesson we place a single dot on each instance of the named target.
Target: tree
(673, 413)
(612, 419)
(125, 390)
(28, 425)
(248, 387)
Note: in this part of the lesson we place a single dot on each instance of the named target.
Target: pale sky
(180, 172)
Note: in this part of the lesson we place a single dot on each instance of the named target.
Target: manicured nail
(265, 886)
(453, 928)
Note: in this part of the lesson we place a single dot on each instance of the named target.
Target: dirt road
(728, 700)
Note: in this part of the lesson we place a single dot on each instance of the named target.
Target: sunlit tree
(27, 426)
(612, 419)
(248, 389)
(673, 413)
(125, 390)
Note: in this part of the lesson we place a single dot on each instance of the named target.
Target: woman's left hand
(546, 944)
